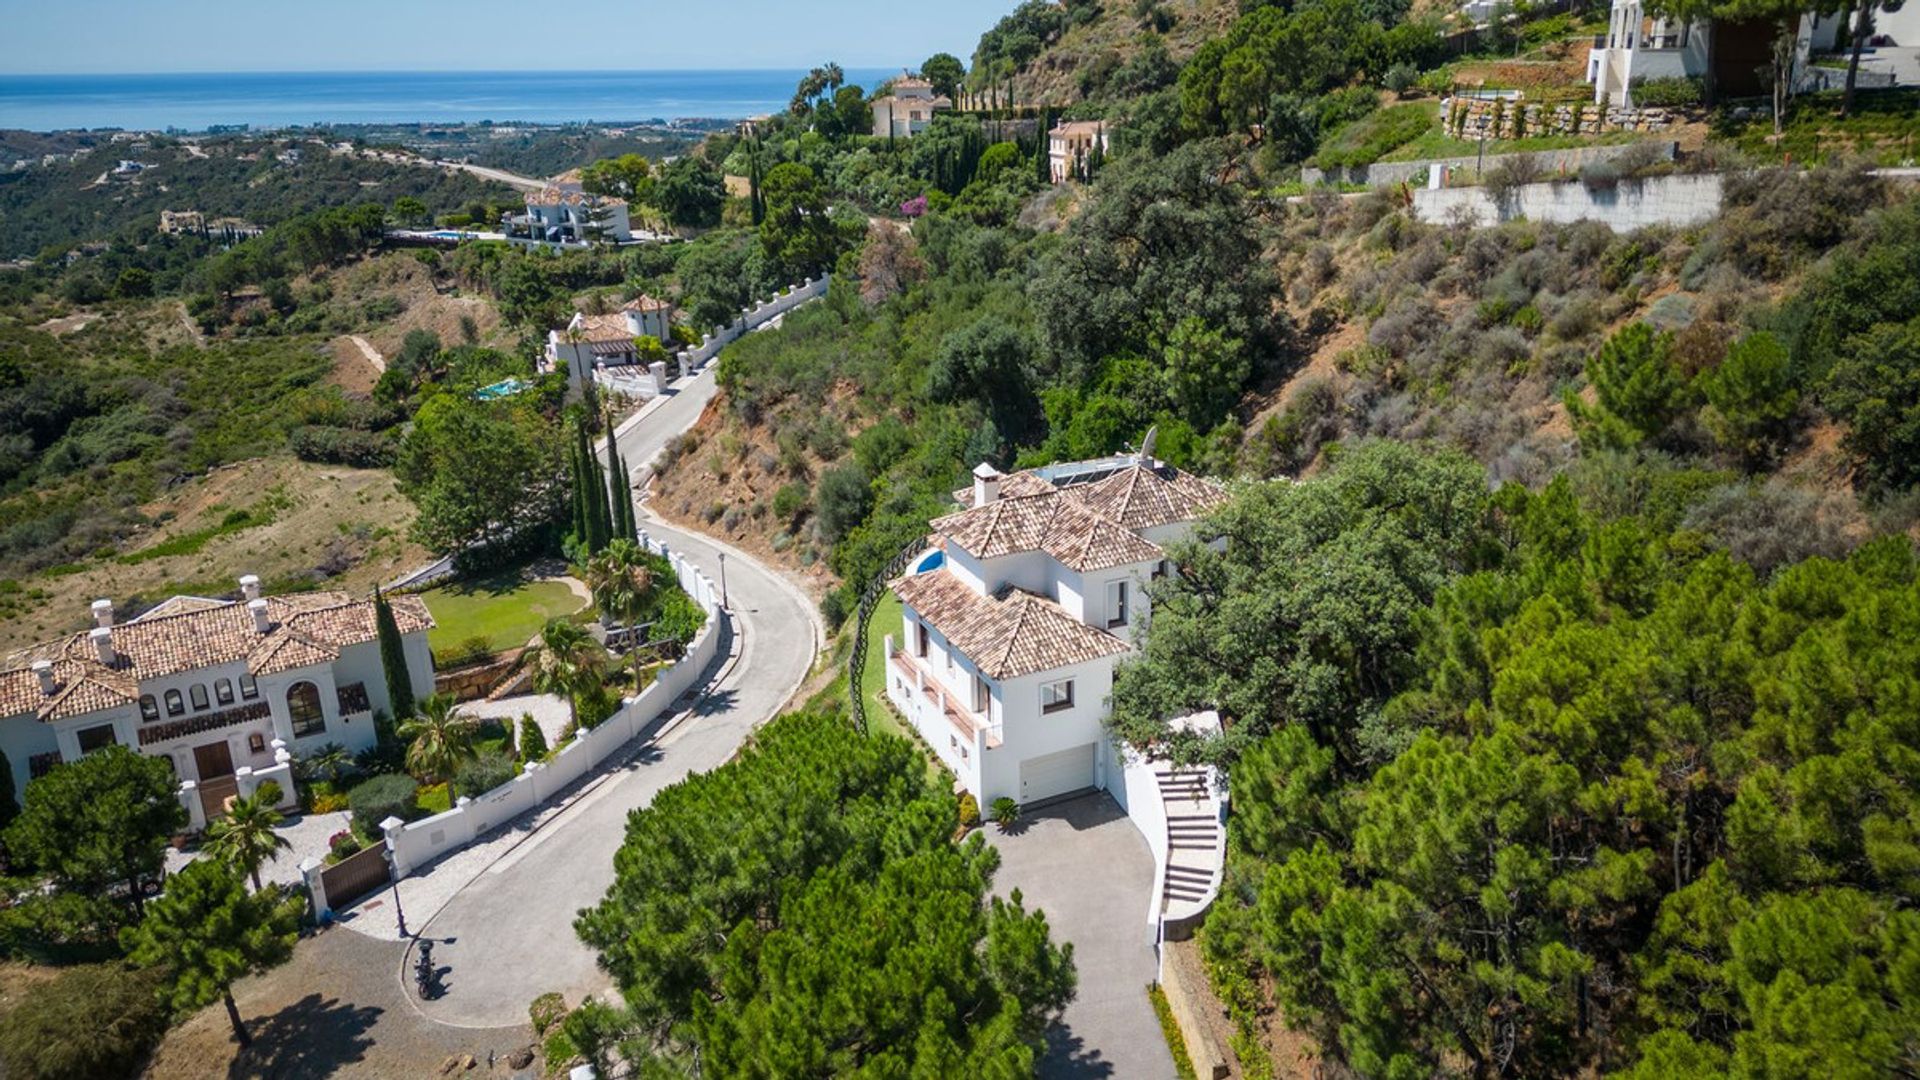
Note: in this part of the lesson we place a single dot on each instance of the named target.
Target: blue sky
(134, 36)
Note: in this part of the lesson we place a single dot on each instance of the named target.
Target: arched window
(175, 706)
(198, 693)
(149, 708)
(223, 691)
(303, 705)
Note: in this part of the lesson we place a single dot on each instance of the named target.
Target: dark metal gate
(355, 876)
(869, 599)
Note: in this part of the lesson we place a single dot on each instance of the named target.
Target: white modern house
(1014, 621)
(1070, 144)
(560, 218)
(590, 342)
(1641, 45)
(225, 690)
(907, 109)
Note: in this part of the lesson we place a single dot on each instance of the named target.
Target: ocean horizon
(194, 101)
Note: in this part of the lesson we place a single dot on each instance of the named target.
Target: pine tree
(393, 658)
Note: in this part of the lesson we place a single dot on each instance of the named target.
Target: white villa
(1639, 45)
(1014, 621)
(1071, 143)
(222, 689)
(908, 110)
(563, 218)
(588, 342)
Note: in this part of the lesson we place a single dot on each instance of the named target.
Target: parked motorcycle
(425, 978)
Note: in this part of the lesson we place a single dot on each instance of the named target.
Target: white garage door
(1056, 774)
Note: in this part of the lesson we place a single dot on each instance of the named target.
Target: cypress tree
(393, 657)
(599, 513)
(619, 494)
(576, 470)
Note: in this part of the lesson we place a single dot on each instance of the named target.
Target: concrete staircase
(1196, 848)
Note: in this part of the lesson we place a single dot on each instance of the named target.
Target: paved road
(1085, 865)
(508, 936)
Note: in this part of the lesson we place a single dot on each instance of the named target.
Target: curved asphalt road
(508, 937)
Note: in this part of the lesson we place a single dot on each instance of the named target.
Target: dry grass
(350, 521)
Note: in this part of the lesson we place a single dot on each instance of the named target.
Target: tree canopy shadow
(314, 1036)
(1067, 1057)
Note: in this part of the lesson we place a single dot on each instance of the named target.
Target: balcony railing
(967, 721)
(194, 725)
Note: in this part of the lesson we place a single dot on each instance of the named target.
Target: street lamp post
(393, 876)
(723, 581)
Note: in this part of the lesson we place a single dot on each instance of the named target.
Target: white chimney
(103, 644)
(44, 669)
(986, 484)
(261, 620)
(250, 586)
(103, 613)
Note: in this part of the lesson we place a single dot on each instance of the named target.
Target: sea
(197, 101)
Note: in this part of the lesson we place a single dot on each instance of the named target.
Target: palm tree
(438, 738)
(329, 763)
(621, 581)
(566, 661)
(245, 837)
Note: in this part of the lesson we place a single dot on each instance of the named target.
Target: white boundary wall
(416, 844)
(751, 319)
(1628, 205)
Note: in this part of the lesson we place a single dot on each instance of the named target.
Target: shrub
(533, 741)
(385, 796)
(1005, 812)
(467, 652)
(1400, 78)
(92, 1021)
(969, 810)
(789, 501)
(344, 843)
(1599, 175)
(1509, 173)
(479, 775)
(327, 802)
(1666, 93)
(546, 1012)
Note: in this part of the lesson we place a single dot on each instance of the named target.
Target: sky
(140, 36)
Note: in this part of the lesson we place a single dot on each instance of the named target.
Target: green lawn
(505, 609)
(873, 680)
(1436, 143)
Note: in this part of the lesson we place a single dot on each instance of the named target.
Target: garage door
(1056, 774)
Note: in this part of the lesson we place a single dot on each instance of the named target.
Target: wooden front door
(213, 761)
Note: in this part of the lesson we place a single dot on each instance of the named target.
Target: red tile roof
(1006, 635)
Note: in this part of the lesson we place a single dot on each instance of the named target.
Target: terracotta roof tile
(1141, 497)
(186, 633)
(1009, 634)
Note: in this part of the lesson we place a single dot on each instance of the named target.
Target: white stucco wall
(1629, 205)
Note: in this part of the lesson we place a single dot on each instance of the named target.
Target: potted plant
(1005, 812)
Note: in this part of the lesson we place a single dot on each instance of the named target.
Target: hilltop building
(216, 687)
(1070, 147)
(908, 109)
(589, 342)
(559, 218)
(1640, 45)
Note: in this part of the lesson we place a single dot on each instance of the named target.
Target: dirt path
(367, 350)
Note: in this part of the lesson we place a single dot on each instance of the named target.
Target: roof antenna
(1146, 445)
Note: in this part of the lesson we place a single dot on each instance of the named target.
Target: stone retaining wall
(1623, 207)
(1470, 118)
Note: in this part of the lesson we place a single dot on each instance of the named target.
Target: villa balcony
(966, 722)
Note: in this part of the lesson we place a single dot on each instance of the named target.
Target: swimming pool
(503, 388)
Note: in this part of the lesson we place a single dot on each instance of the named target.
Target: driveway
(1088, 868)
(507, 935)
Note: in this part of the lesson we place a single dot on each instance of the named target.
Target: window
(223, 691)
(149, 708)
(96, 738)
(175, 706)
(1116, 604)
(248, 688)
(1055, 696)
(981, 694)
(920, 640)
(257, 743)
(198, 693)
(303, 705)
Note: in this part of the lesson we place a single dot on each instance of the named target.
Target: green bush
(97, 1021)
(546, 1012)
(462, 653)
(969, 810)
(1666, 93)
(533, 741)
(1005, 812)
(479, 775)
(375, 800)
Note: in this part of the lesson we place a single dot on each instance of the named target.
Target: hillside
(1058, 54)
